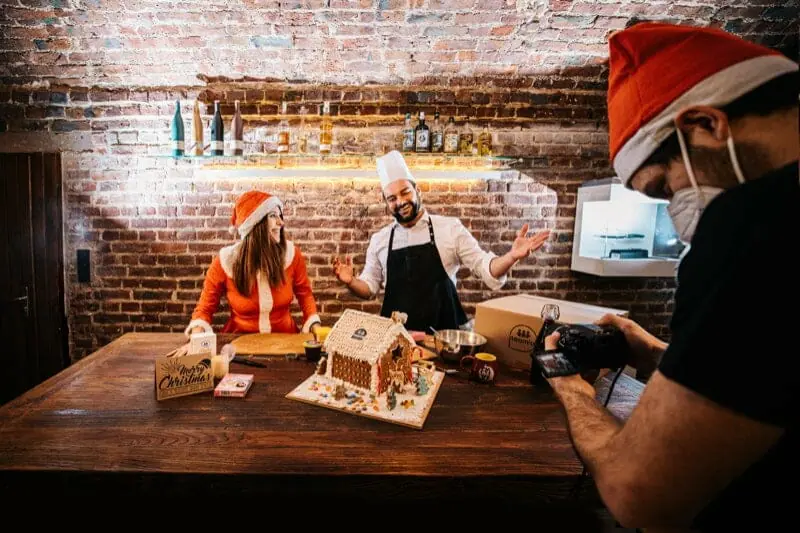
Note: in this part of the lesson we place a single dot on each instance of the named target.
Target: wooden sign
(181, 376)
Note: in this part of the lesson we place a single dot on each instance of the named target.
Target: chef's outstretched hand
(524, 245)
(343, 270)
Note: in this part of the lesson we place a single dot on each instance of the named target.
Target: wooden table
(96, 428)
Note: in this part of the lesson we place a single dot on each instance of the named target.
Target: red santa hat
(250, 209)
(657, 70)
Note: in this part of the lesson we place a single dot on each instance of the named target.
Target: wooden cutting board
(271, 343)
(286, 343)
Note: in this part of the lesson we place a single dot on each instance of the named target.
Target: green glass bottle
(177, 134)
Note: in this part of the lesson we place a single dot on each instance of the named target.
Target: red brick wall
(97, 80)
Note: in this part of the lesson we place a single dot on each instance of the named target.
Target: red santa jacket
(265, 309)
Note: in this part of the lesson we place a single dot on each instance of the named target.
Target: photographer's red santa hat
(250, 209)
(656, 70)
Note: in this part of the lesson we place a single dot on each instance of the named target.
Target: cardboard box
(203, 342)
(181, 376)
(511, 323)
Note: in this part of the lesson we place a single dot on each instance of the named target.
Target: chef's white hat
(392, 167)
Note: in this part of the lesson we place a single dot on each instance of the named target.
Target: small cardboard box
(511, 323)
(181, 376)
(203, 342)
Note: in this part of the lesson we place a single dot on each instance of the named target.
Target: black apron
(418, 285)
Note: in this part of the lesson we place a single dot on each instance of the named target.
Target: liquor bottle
(465, 140)
(217, 132)
(408, 135)
(422, 135)
(283, 132)
(197, 128)
(485, 142)
(237, 131)
(451, 137)
(302, 139)
(177, 133)
(437, 134)
(326, 130)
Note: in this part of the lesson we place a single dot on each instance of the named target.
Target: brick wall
(146, 42)
(97, 80)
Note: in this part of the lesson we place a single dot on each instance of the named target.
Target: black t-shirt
(736, 337)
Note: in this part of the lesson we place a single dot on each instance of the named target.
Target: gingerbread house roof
(364, 336)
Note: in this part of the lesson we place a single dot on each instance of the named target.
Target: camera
(580, 348)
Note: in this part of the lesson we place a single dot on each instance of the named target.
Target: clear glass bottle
(451, 137)
(283, 132)
(302, 137)
(408, 135)
(485, 142)
(465, 140)
(326, 130)
(437, 134)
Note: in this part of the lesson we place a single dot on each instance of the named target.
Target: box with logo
(511, 323)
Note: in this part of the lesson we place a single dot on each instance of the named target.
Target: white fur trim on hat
(258, 213)
(392, 167)
(197, 322)
(719, 89)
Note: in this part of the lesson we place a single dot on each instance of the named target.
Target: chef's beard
(414, 212)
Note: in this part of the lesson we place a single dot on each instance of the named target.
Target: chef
(415, 259)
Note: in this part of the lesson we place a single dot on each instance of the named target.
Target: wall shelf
(424, 166)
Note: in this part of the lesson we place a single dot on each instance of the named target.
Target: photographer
(709, 122)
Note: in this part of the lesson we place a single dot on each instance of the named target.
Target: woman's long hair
(259, 253)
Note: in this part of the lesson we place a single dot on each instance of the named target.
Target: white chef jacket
(457, 247)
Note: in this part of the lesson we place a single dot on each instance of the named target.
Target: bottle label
(237, 145)
(324, 147)
(423, 140)
(283, 148)
(436, 141)
(451, 143)
(217, 145)
(177, 145)
(408, 140)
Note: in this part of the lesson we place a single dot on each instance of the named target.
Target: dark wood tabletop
(97, 426)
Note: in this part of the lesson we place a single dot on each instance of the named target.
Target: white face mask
(688, 204)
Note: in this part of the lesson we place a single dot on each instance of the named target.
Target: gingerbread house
(369, 351)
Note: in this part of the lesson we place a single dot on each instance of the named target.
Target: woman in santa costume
(260, 275)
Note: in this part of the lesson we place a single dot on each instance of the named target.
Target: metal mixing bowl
(453, 344)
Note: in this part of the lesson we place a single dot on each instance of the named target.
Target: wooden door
(32, 319)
